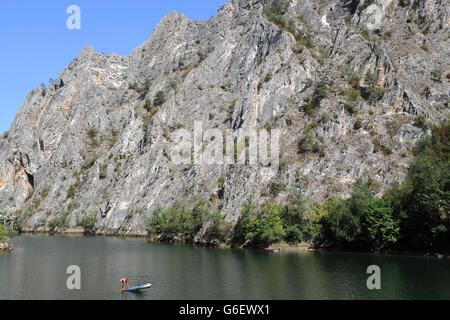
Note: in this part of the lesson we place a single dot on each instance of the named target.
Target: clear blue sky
(36, 44)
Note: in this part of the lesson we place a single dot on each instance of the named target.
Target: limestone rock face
(93, 144)
(5, 246)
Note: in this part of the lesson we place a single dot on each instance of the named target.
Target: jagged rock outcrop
(91, 144)
(5, 246)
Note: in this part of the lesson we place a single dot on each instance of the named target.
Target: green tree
(361, 195)
(423, 200)
(294, 222)
(5, 232)
(262, 227)
(339, 225)
(342, 222)
(177, 221)
(380, 228)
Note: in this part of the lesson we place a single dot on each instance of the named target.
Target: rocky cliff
(5, 246)
(351, 85)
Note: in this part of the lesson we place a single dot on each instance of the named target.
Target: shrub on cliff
(55, 223)
(88, 221)
(310, 143)
(421, 122)
(103, 171)
(148, 105)
(5, 233)
(22, 216)
(219, 228)
(160, 98)
(372, 92)
(72, 191)
(320, 93)
(404, 3)
(275, 13)
(88, 163)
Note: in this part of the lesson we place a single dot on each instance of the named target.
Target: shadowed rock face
(88, 145)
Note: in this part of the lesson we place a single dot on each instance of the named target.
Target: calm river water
(36, 269)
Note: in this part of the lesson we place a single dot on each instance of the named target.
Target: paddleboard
(141, 287)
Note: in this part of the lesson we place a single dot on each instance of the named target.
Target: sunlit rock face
(5, 246)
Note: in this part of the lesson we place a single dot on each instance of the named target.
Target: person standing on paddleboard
(124, 282)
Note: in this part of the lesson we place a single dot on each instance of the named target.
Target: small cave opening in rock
(350, 6)
(221, 193)
(30, 178)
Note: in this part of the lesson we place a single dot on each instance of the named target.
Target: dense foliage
(3, 235)
(361, 221)
(5, 232)
(422, 201)
(88, 221)
(176, 222)
(259, 227)
(413, 215)
(180, 223)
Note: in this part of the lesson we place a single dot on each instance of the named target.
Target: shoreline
(282, 247)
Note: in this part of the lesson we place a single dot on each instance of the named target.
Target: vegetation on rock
(412, 215)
